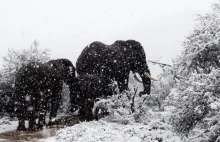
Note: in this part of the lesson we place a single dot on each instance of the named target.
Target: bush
(196, 94)
(124, 108)
(15, 59)
(193, 112)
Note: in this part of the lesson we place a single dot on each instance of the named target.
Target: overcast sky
(67, 26)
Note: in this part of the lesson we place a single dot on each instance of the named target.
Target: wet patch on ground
(34, 136)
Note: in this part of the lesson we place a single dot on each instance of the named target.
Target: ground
(155, 130)
(116, 127)
(8, 130)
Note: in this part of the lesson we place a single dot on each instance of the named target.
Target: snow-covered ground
(105, 130)
(7, 125)
(102, 131)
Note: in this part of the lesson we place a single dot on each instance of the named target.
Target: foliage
(124, 108)
(196, 72)
(163, 87)
(15, 59)
(194, 103)
(201, 47)
(160, 89)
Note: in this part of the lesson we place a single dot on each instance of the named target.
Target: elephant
(116, 61)
(88, 89)
(37, 83)
(30, 81)
(59, 71)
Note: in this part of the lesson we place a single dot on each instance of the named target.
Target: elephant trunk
(146, 84)
(146, 80)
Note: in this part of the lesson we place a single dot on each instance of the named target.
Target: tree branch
(161, 64)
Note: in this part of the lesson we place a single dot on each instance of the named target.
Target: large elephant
(88, 89)
(116, 61)
(36, 84)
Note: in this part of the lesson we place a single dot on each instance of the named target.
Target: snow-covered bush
(198, 102)
(124, 108)
(159, 91)
(15, 59)
(197, 72)
(202, 46)
(162, 88)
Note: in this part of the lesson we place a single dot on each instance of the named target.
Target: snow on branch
(15, 59)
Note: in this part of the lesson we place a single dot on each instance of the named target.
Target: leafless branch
(160, 64)
(132, 100)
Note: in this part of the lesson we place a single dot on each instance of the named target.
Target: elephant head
(136, 56)
(62, 69)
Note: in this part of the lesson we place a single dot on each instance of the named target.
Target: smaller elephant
(58, 72)
(88, 89)
(38, 83)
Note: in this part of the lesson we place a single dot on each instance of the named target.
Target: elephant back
(60, 69)
(31, 75)
(95, 59)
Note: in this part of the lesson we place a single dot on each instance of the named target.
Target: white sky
(67, 26)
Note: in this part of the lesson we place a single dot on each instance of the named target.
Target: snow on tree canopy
(15, 59)
(202, 46)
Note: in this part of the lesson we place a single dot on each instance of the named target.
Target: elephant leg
(42, 113)
(85, 111)
(32, 105)
(55, 102)
(74, 98)
(21, 112)
(32, 123)
(123, 82)
(21, 124)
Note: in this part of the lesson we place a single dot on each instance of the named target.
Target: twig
(161, 64)
(143, 101)
(132, 100)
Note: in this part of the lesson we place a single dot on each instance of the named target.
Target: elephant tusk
(135, 76)
(145, 73)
